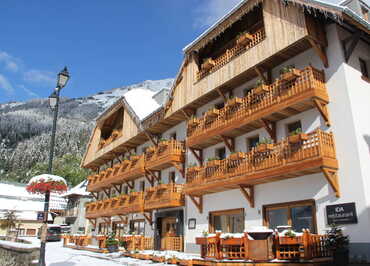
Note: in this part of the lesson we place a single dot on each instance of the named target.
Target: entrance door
(168, 230)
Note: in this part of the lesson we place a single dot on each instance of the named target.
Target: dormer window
(112, 128)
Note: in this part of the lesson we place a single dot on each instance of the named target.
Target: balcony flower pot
(201, 240)
(234, 101)
(231, 241)
(288, 240)
(134, 157)
(208, 64)
(164, 143)
(244, 38)
(297, 138)
(237, 156)
(290, 75)
(193, 122)
(265, 147)
(212, 113)
(261, 89)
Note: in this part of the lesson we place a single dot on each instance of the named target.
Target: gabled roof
(79, 190)
(335, 11)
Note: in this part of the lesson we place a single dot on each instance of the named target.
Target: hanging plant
(46, 183)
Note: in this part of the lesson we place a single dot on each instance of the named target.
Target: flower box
(265, 147)
(213, 113)
(290, 75)
(287, 240)
(213, 163)
(194, 169)
(134, 157)
(164, 143)
(297, 138)
(243, 39)
(193, 122)
(234, 101)
(201, 240)
(231, 241)
(261, 89)
(237, 156)
(208, 64)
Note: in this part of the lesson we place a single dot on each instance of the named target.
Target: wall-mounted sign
(341, 213)
(40, 216)
(192, 223)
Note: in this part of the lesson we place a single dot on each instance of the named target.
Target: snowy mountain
(25, 129)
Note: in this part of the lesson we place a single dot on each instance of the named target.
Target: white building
(328, 100)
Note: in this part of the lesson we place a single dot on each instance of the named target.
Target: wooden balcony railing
(166, 154)
(284, 160)
(175, 243)
(116, 134)
(272, 102)
(127, 170)
(164, 196)
(137, 242)
(230, 54)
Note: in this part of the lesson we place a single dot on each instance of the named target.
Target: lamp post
(63, 78)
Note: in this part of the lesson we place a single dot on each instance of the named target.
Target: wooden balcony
(168, 153)
(131, 203)
(164, 196)
(285, 160)
(255, 38)
(116, 134)
(262, 105)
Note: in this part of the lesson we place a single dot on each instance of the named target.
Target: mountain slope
(25, 132)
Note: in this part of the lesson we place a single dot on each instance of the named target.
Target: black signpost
(341, 213)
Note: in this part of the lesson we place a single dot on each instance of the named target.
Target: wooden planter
(164, 143)
(194, 169)
(297, 138)
(213, 163)
(234, 101)
(237, 156)
(193, 122)
(244, 39)
(291, 75)
(208, 64)
(286, 240)
(265, 147)
(213, 113)
(261, 89)
(231, 241)
(134, 157)
(201, 240)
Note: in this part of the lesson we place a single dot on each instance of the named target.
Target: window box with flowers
(208, 63)
(289, 73)
(297, 136)
(46, 183)
(261, 87)
(265, 145)
(244, 38)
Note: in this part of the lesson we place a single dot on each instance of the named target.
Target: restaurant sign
(341, 213)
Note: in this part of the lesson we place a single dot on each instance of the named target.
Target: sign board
(341, 213)
(40, 216)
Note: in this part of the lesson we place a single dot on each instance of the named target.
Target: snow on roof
(47, 177)
(337, 7)
(141, 101)
(80, 190)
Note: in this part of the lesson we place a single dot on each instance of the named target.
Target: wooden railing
(127, 170)
(165, 155)
(116, 134)
(306, 247)
(279, 95)
(230, 54)
(250, 167)
(137, 242)
(164, 196)
(175, 243)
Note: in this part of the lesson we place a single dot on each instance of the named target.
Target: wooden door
(168, 230)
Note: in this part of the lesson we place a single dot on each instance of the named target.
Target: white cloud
(5, 85)
(212, 10)
(39, 76)
(11, 63)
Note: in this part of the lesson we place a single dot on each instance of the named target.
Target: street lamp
(62, 80)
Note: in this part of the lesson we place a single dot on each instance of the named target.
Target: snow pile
(80, 190)
(47, 178)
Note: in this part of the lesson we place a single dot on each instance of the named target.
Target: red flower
(42, 187)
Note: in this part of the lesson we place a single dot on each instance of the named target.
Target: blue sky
(105, 44)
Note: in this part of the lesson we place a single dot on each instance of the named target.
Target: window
(221, 153)
(292, 127)
(219, 105)
(137, 227)
(125, 189)
(172, 177)
(118, 228)
(230, 221)
(173, 136)
(363, 68)
(142, 185)
(103, 229)
(252, 142)
(299, 215)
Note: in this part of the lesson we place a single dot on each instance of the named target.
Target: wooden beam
(229, 142)
(124, 219)
(118, 188)
(198, 203)
(130, 185)
(249, 195)
(180, 167)
(107, 192)
(95, 195)
(353, 41)
(221, 94)
(270, 127)
(259, 72)
(188, 114)
(148, 216)
(323, 110)
(320, 51)
(153, 175)
(197, 156)
(331, 176)
(149, 178)
(150, 137)
(107, 220)
(92, 221)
